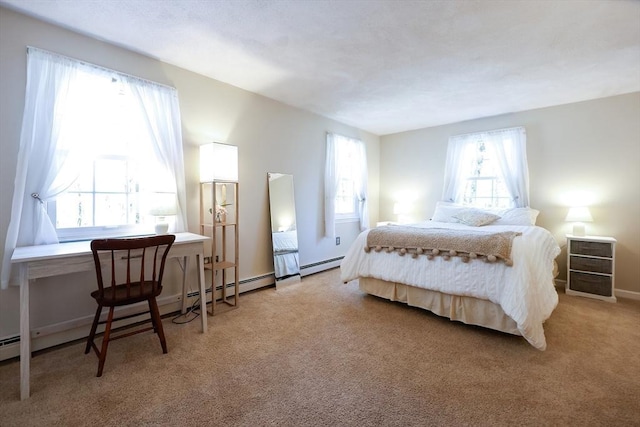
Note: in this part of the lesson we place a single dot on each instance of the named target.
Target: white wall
(591, 147)
(272, 137)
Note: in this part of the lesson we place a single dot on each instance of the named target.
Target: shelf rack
(222, 226)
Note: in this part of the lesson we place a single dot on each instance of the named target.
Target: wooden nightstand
(591, 267)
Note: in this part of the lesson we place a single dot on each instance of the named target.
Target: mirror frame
(284, 231)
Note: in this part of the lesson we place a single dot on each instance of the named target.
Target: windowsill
(104, 234)
(109, 236)
(346, 220)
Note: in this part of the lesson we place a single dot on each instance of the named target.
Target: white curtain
(337, 147)
(57, 121)
(361, 186)
(331, 180)
(39, 158)
(456, 166)
(509, 146)
(162, 113)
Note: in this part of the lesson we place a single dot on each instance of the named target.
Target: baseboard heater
(250, 284)
(10, 340)
(8, 345)
(319, 266)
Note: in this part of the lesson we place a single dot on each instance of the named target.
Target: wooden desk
(36, 262)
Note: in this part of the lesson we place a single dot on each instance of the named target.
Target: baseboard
(78, 328)
(317, 267)
(621, 293)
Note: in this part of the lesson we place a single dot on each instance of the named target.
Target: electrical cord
(192, 312)
(195, 305)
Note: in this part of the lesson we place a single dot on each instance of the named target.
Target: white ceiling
(381, 65)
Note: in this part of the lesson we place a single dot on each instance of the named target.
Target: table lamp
(579, 215)
(164, 205)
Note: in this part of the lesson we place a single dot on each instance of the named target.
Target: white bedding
(286, 264)
(285, 241)
(525, 291)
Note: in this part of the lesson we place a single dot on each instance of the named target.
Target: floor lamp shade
(218, 162)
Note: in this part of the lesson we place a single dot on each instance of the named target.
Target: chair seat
(137, 293)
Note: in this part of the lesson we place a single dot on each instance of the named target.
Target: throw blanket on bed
(467, 244)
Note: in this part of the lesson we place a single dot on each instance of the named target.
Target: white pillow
(517, 216)
(445, 212)
(475, 217)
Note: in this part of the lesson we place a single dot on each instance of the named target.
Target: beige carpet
(321, 353)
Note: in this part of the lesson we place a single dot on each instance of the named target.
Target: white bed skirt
(469, 310)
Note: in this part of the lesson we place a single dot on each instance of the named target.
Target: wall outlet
(337, 241)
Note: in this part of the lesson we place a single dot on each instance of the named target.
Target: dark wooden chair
(129, 271)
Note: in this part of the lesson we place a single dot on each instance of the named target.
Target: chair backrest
(142, 258)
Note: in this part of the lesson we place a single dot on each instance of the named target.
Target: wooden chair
(141, 262)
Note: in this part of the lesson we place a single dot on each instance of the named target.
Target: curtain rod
(490, 131)
(99, 67)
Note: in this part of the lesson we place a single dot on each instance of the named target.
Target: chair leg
(157, 322)
(94, 326)
(105, 342)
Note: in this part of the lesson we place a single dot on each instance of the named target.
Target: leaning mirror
(284, 235)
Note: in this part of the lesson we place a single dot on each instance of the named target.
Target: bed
(285, 254)
(512, 293)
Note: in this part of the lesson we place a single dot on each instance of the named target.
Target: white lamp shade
(400, 208)
(218, 162)
(579, 214)
(163, 204)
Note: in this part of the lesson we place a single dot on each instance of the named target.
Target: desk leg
(25, 334)
(203, 291)
(184, 283)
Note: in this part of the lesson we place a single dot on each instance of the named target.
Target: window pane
(74, 210)
(484, 188)
(111, 209)
(344, 197)
(348, 170)
(84, 182)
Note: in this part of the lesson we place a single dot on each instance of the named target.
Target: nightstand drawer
(602, 249)
(591, 283)
(596, 265)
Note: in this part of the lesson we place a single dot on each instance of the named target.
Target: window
(488, 169)
(98, 148)
(484, 187)
(345, 182)
(119, 180)
(110, 197)
(346, 206)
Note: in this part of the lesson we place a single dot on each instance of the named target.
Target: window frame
(144, 227)
(474, 174)
(353, 215)
(508, 146)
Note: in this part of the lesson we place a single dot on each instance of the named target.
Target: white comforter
(525, 291)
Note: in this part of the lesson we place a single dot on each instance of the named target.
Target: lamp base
(579, 229)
